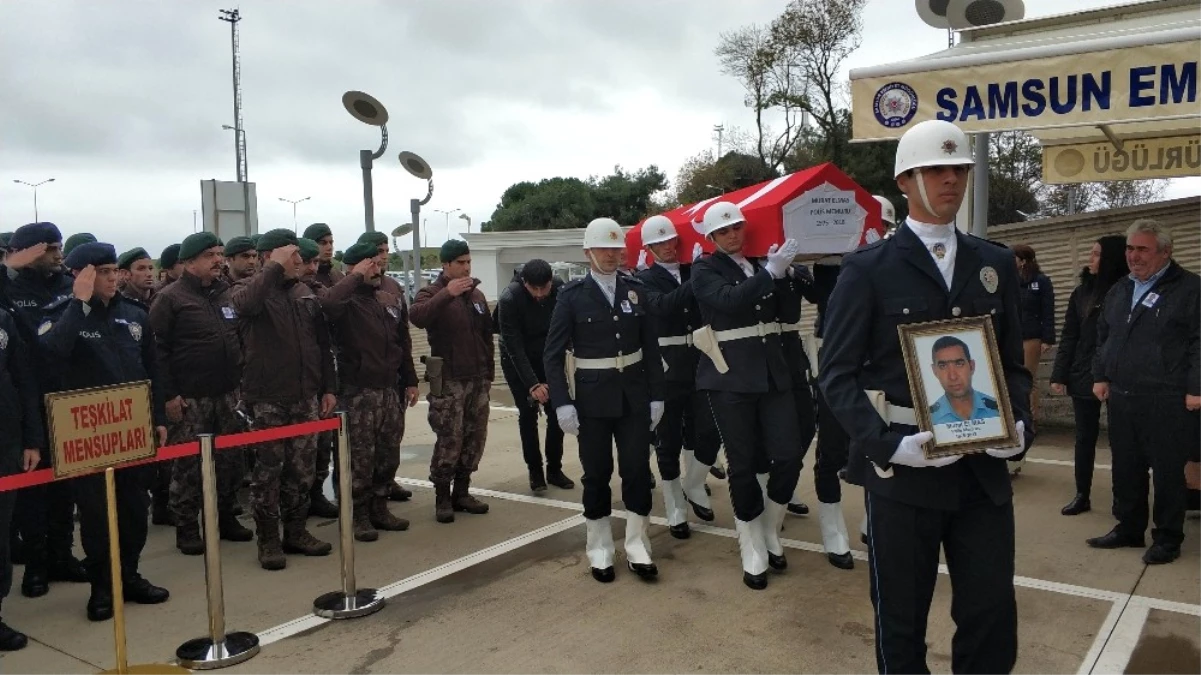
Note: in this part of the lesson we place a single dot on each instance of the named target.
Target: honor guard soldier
(928, 271)
(22, 437)
(31, 280)
(241, 259)
(288, 378)
(674, 314)
(169, 265)
(608, 389)
(888, 214)
(199, 366)
(103, 339)
(748, 384)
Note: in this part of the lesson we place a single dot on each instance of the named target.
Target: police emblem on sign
(135, 329)
(895, 105)
(3, 339)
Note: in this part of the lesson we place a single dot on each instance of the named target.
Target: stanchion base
(338, 605)
(148, 669)
(203, 654)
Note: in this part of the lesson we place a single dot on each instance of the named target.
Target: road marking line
(1115, 656)
(1064, 462)
(1103, 633)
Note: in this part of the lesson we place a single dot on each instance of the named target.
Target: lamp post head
(415, 165)
(365, 108)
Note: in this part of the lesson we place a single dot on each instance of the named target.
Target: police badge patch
(633, 297)
(135, 329)
(3, 339)
(45, 327)
(988, 277)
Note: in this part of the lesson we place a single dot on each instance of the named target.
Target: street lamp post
(447, 214)
(464, 216)
(35, 187)
(294, 202)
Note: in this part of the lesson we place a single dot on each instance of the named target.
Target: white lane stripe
(1019, 581)
(304, 623)
(1094, 652)
(1064, 462)
(1115, 655)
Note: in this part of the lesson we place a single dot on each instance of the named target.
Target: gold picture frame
(958, 385)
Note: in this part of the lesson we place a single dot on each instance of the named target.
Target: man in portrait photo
(954, 367)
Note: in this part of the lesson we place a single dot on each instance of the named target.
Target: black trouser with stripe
(833, 448)
(760, 431)
(903, 547)
(631, 433)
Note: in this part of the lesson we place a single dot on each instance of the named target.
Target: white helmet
(719, 215)
(932, 143)
(887, 213)
(657, 229)
(604, 233)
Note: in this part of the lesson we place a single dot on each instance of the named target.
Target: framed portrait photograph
(958, 387)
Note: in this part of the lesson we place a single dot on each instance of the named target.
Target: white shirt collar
(931, 231)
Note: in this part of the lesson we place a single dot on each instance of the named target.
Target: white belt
(892, 414)
(790, 328)
(618, 363)
(758, 330)
(676, 341)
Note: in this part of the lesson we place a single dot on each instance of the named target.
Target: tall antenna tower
(719, 130)
(232, 17)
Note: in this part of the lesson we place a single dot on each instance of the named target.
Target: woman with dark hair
(1037, 303)
(1073, 371)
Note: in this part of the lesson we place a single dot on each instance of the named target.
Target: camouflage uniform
(459, 417)
(377, 425)
(283, 470)
(208, 415)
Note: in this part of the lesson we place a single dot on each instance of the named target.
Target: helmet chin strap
(921, 190)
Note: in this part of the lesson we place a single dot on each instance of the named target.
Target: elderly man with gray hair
(1148, 367)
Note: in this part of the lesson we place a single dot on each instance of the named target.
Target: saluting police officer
(104, 339)
(928, 271)
(674, 315)
(615, 394)
(746, 377)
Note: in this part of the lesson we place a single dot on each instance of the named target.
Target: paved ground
(511, 592)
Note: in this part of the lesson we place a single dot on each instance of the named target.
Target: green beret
(451, 249)
(5, 237)
(274, 239)
(359, 252)
(308, 249)
(91, 253)
(238, 245)
(317, 231)
(195, 244)
(254, 239)
(128, 258)
(169, 257)
(77, 239)
(373, 238)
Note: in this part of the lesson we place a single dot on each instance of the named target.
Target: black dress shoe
(138, 589)
(604, 576)
(1161, 554)
(681, 531)
(396, 493)
(537, 480)
(756, 582)
(843, 562)
(557, 479)
(643, 570)
(11, 640)
(717, 472)
(67, 568)
(702, 512)
(100, 604)
(777, 562)
(1115, 539)
(1078, 505)
(35, 583)
(237, 509)
(798, 508)
(863, 538)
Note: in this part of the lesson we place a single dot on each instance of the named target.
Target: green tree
(701, 177)
(563, 203)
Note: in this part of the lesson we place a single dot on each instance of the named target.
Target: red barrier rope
(169, 452)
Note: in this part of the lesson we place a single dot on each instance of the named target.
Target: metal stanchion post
(219, 649)
(114, 555)
(350, 602)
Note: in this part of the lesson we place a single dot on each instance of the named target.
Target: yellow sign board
(1170, 157)
(97, 428)
(1101, 87)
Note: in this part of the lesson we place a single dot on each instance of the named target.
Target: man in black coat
(608, 390)
(1148, 367)
(928, 271)
(748, 383)
(523, 313)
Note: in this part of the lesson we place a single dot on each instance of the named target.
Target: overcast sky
(122, 102)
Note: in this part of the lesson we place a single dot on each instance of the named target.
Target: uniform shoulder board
(634, 281)
(869, 247)
(136, 303)
(988, 241)
(574, 283)
(58, 303)
(990, 403)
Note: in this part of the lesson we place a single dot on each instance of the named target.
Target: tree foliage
(701, 177)
(563, 203)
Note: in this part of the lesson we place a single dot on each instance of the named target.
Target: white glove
(569, 421)
(780, 257)
(697, 252)
(656, 413)
(1006, 453)
(909, 453)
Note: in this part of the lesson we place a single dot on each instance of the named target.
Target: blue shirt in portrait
(983, 407)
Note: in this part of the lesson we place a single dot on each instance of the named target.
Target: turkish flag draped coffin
(822, 208)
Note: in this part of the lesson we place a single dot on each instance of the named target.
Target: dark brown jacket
(286, 347)
(196, 333)
(371, 328)
(328, 275)
(137, 296)
(459, 330)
